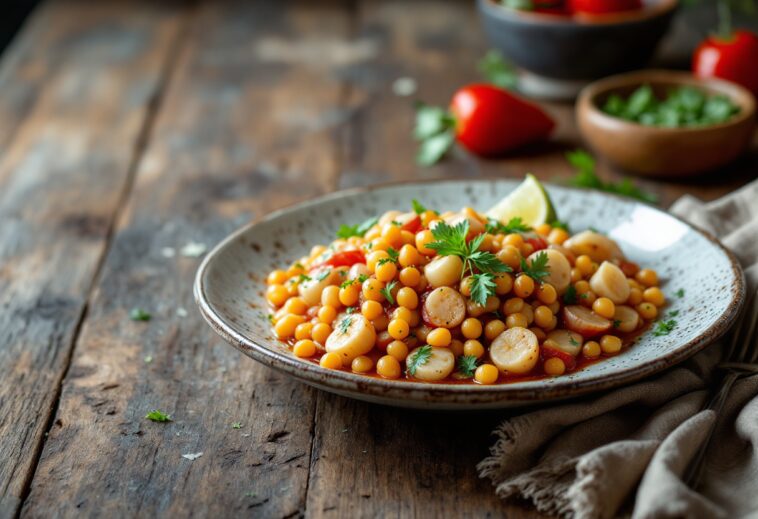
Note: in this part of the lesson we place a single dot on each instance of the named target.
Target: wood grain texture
(246, 126)
(61, 179)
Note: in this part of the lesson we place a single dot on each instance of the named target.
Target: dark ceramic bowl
(577, 48)
(658, 151)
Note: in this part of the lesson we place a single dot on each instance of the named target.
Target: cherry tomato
(547, 352)
(413, 225)
(734, 59)
(490, 120)
(604, 6)
(346, 258)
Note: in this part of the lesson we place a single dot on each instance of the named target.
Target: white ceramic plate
(230, 285)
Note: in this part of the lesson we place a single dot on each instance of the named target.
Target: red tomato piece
(734, 59)
(547, 352)
(346, 258)
(413, 225)
(490, 120)
(537, 242)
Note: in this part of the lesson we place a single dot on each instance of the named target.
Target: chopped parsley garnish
(362, 278)
(587, 177)
(344, 325)
(569, 297)
(139, 314)
(396, 223)
(347, 283)
(301, 278)
(679, 293)
(421, 357)
(158, 416)
(417, 207)
(270, 318)
(323, 275)
(348, 231)
(616, 323)
(387, 292)
(537, 269)
(673, 313)
(350, 309)
(467, 365)
(514, 225)
(573, 341)
(559, 224)
(237, 425)
(664, 327)
(393, 257)
(451, 241)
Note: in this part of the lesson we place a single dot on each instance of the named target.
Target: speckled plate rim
(407, 393)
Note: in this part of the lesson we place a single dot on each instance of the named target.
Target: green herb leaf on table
(586, 177)
(387, 292)
(348, 231)
(467, 365)
(679, 293)
(417, 207)
(157, 415)
(139, 314)
(664, 327)
(419, 358)
(537, 269)
(237, 425)
(496, 69)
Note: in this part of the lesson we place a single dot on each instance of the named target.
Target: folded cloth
(624, 452)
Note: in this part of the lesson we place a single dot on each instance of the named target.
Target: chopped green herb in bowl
(683, 106)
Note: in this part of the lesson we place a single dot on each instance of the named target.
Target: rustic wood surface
(129, 129)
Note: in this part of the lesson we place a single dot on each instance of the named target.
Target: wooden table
(128, 130)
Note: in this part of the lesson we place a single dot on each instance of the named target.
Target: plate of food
(469, 294)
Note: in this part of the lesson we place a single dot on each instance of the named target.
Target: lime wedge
(529, 201)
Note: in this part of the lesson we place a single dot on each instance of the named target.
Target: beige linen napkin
(624, 452)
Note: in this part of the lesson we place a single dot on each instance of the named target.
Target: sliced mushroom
(626, 319)
(595, 245)
(516, 350)
(437, 366)
(609, 281)
(357, 270)
(584, 321)
(310, 289)
(567, 341)
(444, 307)
(444, 271)
(558, 267)
(353, 335)
(474, 226)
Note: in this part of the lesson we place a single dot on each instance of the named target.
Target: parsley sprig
(467, 365)
(393, 257)
(666, 326)
(514, 225)
(387, 292)
(418, 207)
(537, 269)
(156, 415)
(348, 231)
(419, 358)
(482, 265)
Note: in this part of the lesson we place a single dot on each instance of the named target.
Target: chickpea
(371, 310)
(492, 304)
(543, 316)
(513, 305)
(277, 295)
(296, 305)
(321, 332)
(409, 238)
(635, 296)
(647, 277)
(362, 364)
(410, 276)
(398, 329)
(554, 367)
(402, 313)
(473, 308)
(398, 349)
(385, 271)
(591, 349)
(374, 258)
(587, 298)
(428, 217)
(510, 255)
(471, 328)
(610, 344)
(409, 256)
(330, 361)
(392, 235)
(604, 307)
(285, 327)
(304, 349)
(327, 314)
(503, 284)
(439, 337)
(514, 240)
(546, 293)
(526, 249)
(381, 323)
(582, 287)
(423, 239)
(517, 320)
(276, 277)
(388, 367)
(464, 287)
(555, 306)
(528, 312)
(584, 264)
(303, 331)
(349, 295)
(422, 332)
(576, 275)
(539, 333)
(330, 296)
(473, 347)
(647, 310)
(407, 298)
(557, 236)
(494, 328)
(543, 229)
(523, 286)
(456, 347)
(653, 295)
(414, 318)
(372, 290)
(486, 374)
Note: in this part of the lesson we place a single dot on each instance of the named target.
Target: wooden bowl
(669, 152)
